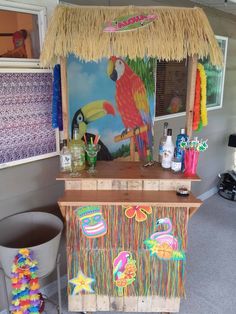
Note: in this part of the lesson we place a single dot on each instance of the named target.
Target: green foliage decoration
(145, 69)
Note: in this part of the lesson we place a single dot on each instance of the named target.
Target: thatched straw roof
(174, 35)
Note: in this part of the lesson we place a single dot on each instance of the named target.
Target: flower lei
(203, 94)
(200, 109)
(26, 298)
(197, 102)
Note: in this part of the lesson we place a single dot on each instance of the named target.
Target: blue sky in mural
(89, 82)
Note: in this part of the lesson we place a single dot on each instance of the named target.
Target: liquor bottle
(77, 151)
(65, 158)
(179, 153)
(162, 141)
(168, 151)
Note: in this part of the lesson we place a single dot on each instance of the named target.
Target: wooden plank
(75, 303)
(116, 304)
(160, 304)
(144, 304)
(79, 303)
(172, 185)
(90, 302)
(129, 170)
(119, 185)
(151, 185)
(130, 304)
(192, 211)
(63, 210)
(89, 185)
(73, 185)
(135, 185)
(64, 94)
(103, 303)
(192, 71)
(109, 197)
(104, 184)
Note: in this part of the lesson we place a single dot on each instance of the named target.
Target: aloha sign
(129, 23)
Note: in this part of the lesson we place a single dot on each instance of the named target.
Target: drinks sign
(128, 23)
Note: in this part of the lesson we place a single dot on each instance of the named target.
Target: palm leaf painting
(145, 69)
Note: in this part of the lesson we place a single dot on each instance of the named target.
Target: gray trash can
(38, 231)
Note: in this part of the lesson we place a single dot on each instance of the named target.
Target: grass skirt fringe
(174, 35)
(94, 257)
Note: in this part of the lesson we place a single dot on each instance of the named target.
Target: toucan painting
(87, 114)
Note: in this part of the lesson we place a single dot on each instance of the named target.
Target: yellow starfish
(82, 283)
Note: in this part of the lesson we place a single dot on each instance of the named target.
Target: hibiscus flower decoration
(139, 212)
(121, 282)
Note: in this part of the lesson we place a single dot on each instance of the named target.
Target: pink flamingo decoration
(164, 236)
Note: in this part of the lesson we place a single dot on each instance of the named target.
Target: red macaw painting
(132, 104)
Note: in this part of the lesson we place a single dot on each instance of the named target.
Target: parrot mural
(124, 270)
(132, 104)
(87, 114)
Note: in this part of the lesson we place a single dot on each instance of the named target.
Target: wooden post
(132, 149)
(130, 135)
(192, 71)
(64, 93)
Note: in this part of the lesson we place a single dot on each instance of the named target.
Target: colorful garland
(200, 109)
(203, 94)
(197, 102)
(26, 298)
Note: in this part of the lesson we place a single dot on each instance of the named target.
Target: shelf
(112, 197)
(128, 170)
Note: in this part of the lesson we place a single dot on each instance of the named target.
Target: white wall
(31, 185)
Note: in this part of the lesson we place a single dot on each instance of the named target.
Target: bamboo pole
(192, 71)
(64, 92)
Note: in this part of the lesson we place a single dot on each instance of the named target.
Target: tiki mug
(92, 222)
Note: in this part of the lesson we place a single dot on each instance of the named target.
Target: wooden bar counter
(129, 199)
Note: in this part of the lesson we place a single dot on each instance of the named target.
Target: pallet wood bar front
(114, 185)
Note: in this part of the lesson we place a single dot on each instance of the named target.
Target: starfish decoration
(82, 283)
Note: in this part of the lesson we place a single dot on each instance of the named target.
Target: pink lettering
(131, 20)
(142, 17)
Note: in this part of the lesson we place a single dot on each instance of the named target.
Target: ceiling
(228, 6)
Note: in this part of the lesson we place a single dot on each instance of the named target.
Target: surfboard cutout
(129, 23)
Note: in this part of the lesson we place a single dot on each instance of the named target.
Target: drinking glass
(92, 150)
(191, 157)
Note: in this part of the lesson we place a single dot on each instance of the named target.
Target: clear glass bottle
(65, 158)
(162, 141)
(168, 151)
(77, 152)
